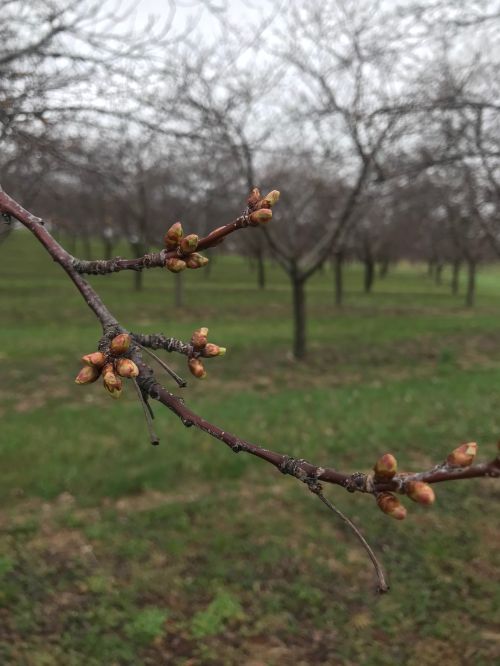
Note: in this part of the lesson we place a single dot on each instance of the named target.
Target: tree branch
(377, 484)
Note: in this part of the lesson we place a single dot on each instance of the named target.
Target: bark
(471, 284)
(138, 249)
(369, 276)
(338, 276)
(455, 278)
(299, 316)
(107, 248)
(438, 273)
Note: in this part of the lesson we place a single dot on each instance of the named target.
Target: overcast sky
(238, 10)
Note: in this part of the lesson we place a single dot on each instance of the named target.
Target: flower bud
(112, 383)
(386, 467)
(271, 199)
(197, 368)
(389, 504)
(97, 359)
(87, 375)
(261, 216)
(420, 492)
(189, 243)
(199, 338)
(463, 455)
(125, 367)
(254, 197)
(213, 350)
(120, 344)
(173, 236)
(175, 265)
(196, 260)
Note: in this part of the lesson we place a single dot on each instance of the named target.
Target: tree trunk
(208, 267)
(138, 281)
(261, 269)
(138, 250)
(438, 273)
(299, 317)
(71, 244)
(455, 277)
(471, 284)
(338, 276)
(178, 290)
(383, 268)
(369, 276)
(87, 250)
(108, 248)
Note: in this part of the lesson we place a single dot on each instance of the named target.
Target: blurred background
(362, 320)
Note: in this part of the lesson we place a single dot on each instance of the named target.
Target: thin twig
(182, 383)
(155, 440)
(382, 582)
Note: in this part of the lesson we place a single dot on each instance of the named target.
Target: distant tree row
(379, 123)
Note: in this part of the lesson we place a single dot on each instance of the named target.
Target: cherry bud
(120, 344)
(96, 359)
(175, 265)
(197, 368)
(389, 504)
(463, 455)
(386, 467)
(125, 367)
(261, 216)
(87, 375)
(420, 492)
(189, 243)
(199, 338)
(173, 236)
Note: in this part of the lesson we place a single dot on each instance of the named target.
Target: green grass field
(115, 552)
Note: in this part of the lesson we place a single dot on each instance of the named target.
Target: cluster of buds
(186, 249)
(260, 207)
(385, 469)
(112, 366)
(202, 348)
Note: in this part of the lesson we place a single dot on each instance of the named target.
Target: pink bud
(463, 455)
(120, 344)
(420, 492)
(213, 350)
(389, 504)
(87, 375)
(197, 368)
(199, 338)
(189, 243)
(173, 236)
(261, 216)
(97, 359)
(175, 265)
(125, 367)
(386, 467)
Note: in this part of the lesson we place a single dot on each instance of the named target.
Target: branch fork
(119, 348)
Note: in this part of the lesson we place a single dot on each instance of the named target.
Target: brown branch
(157, 259)
(148, 386)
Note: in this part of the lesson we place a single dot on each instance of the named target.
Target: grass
(114, 552)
